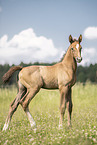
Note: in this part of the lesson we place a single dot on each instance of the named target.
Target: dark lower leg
(69, 107)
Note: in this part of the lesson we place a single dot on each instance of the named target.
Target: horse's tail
(8, 74)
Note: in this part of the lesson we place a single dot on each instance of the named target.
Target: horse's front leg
(63, 100)
(69, 106)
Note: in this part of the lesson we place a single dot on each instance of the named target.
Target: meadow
(45, 111)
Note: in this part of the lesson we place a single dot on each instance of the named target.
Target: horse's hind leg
(31, 120)
(14, 106)
(25, 104)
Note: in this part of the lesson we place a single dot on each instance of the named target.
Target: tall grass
(45, 111)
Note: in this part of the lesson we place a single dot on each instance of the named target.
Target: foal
(60, 76)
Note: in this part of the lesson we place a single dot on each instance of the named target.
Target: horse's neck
(69, 61)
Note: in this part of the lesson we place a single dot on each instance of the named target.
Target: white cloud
(89, 56)
(90, 33)
(27, 47)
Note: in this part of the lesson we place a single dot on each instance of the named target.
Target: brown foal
(60, 76)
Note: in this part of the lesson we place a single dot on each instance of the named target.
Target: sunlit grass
(45, 111)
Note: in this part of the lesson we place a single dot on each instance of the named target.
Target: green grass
(45, 111)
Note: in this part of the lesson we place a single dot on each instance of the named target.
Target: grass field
(45, 111)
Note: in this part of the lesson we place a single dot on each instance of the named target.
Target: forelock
(74, 39)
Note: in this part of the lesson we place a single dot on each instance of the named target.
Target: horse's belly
(50, 84)
(49, 77)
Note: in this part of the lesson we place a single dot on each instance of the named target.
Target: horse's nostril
(79, 59)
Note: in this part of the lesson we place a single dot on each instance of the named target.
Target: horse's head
(76, 48)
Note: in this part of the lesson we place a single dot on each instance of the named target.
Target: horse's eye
(72, 48)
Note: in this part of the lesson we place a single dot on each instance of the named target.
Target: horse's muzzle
(79, 59)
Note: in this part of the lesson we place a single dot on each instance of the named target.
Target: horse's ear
(71, 39)
(80, 38)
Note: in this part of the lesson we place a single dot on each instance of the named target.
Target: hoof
(34, 130)
(69, 126)
(33, 126)
(60, 126)
(5, 127)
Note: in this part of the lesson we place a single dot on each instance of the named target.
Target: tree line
(84, 73)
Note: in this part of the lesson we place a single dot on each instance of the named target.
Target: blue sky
(38, 30)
